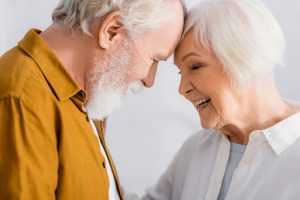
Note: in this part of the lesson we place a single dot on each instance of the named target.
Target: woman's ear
(111, 30)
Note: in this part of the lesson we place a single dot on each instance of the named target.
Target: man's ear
(111, 30)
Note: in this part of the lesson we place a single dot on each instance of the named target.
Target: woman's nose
(185, 86)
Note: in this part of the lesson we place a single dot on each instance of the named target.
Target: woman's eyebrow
(188, 55)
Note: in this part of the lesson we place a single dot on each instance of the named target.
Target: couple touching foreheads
(58, 86)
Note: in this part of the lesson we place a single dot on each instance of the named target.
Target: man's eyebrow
(164, 56)
(164, 59)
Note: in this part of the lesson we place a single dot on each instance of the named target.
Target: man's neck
(71, 49)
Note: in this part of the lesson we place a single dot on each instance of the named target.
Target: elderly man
(56, 83)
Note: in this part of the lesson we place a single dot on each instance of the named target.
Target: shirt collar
(62, 84)
(283, 134)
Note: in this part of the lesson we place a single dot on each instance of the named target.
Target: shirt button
(103, 164)
(81, 94)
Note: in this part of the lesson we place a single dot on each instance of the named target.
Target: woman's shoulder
(200, 138)
(203, 135)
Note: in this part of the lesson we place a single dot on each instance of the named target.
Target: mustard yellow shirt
(47, 146)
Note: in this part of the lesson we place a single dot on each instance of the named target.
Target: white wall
(17, 16)
(145, 134)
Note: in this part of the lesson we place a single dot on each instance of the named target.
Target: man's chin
(99, 112)
(108, 100)
(136, 87)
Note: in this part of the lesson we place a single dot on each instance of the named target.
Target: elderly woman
(250, 145)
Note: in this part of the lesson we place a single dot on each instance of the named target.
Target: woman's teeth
(202, 103)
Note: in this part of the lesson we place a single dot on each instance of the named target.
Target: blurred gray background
(146, 132)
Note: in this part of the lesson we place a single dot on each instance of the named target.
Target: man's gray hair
(243, 34)
(138, 16)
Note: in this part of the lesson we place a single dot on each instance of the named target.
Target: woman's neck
(261, 108)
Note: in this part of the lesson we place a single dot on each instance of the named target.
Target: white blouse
(269, 168)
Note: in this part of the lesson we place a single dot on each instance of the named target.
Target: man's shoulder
(19, 74)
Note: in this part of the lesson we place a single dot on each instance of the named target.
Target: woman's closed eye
(197, 66)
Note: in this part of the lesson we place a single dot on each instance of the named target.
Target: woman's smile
(202, 103)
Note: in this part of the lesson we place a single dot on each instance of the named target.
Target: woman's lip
(201, 101)
(201, 107)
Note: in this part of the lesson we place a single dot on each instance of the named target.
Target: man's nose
(149, 80)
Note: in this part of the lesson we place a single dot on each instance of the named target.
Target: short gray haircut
(243, 34)
(138, 16)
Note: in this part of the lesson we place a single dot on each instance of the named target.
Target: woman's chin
(207, 124)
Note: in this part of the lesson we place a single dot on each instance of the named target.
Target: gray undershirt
(235, 155)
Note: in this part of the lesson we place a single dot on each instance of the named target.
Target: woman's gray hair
(138, 15)
(243, 34)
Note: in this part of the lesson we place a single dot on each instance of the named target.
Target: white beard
(108, 93)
